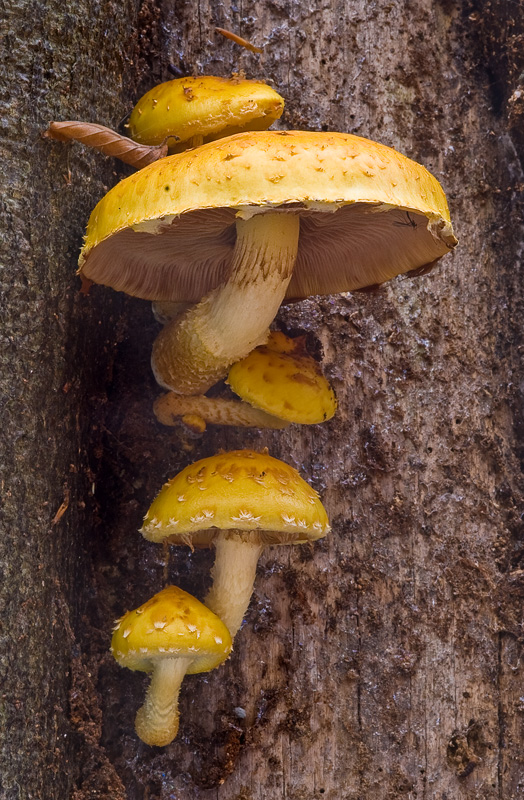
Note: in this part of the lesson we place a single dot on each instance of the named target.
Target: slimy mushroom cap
(283, 380)
(205, 106)
(172, 624)
(251, 492)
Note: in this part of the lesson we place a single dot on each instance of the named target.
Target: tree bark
(385, 661)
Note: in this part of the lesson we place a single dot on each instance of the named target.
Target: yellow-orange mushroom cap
(239, 224)
(172, 623)
(283, 380)
(239, 502)
(207, 106)
(242, 490)
(170, 635)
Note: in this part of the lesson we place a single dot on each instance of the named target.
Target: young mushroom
(279, 381)
(170, 635)
(282, 379)
(238, 225)
(239, 502)
(190, 111)
(177, 115)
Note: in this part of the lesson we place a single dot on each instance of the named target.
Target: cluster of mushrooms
(237, 220)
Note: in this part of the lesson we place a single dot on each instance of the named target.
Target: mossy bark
(385, 661)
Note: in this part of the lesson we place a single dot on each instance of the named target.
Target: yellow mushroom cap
(204, 106)
(367, 213)
(242, 490)
(281, 379)
(172, 624)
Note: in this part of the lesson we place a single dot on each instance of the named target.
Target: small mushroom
(238, 225)
(179, 114)
(190, 111)
(239, 502)
(279, 381)
(170, 635)
(282, 379)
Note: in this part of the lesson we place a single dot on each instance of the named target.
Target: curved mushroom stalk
(107, 141)
(233, 576)
(194, 351)
(157, 720)
(181, 113)
(172, 408)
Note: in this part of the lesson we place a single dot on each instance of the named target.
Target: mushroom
(279, 381)
(238, 225)
(239, 502)
(170, 635)
(190, 111)
(282, 379)
(179, 114)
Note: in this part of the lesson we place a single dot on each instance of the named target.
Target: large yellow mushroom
(239, 502)
(238, 225)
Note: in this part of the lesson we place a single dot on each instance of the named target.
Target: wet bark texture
(385, 661)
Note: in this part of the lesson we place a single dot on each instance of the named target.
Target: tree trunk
(384, 661)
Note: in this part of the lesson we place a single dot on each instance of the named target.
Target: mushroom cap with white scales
(238, 502)
(261, 496)
(172, 623)
(170, 635)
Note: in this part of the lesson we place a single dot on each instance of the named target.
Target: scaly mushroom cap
(242, 490)
(206, 106)
(367, 213)
(283, 380)
(172, 624)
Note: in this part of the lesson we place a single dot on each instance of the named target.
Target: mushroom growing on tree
(280, 382)
(238, 225)
(170, 635)
(179, 114)
(239, 502)
(190, 111)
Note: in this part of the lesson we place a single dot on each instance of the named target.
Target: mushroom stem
(194, 351)
(107, 141)
(233, 576)
(170, 408)
(196, 141)
(157, 720)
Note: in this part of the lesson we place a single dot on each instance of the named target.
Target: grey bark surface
(385, 661)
